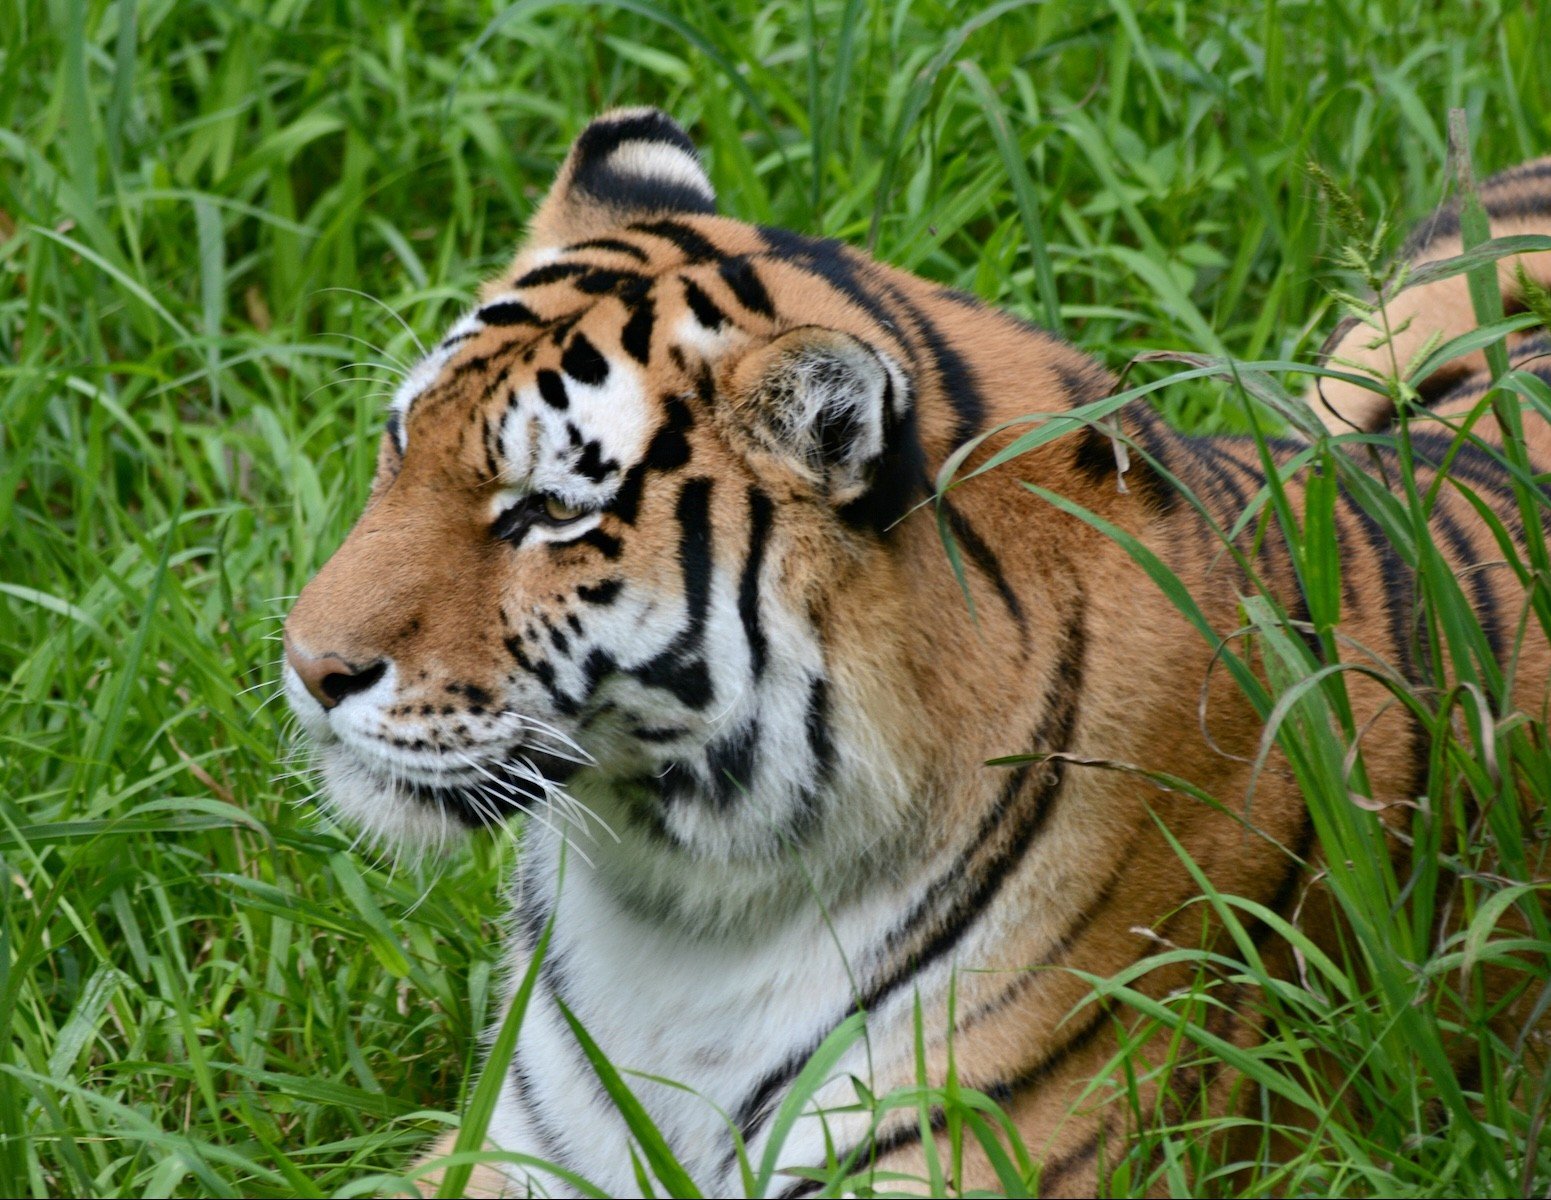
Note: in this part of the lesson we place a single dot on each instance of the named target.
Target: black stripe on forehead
(636, 337)
(601, 280)
(705, 309)
(742, 281)
(617, 245)
(508, 312)
(550, 273)
(583, 362)
(694, 245)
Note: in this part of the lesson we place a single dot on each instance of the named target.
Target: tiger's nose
(330, 678)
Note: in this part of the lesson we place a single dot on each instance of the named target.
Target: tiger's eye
(558, 511)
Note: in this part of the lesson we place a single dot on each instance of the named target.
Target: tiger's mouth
(490, 794)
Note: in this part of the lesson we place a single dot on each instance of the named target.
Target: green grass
(222, 224)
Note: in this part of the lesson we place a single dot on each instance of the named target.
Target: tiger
(655, 558)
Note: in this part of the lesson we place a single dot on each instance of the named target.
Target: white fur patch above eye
(466, 326)
(660, 161)
(420, 377)
(708, 343)
(579, 443)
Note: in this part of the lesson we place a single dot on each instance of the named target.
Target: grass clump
(225, 226)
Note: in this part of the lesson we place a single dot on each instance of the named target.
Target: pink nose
(330, 678)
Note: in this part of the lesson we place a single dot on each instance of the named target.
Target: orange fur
(420, 581)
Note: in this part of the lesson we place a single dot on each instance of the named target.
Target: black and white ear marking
(631, 164)
(829, 403)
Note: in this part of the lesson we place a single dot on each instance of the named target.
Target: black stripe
(560, 328)
(760, 512)
(731, 762)
(605, 135)
(1231, 456)
(1399, 608)
(704, 308)
(490, 443)
(1094, 450)
(627, 284)
(1286, 586)
(1065, 1164)
(739, 276)
(687, 681)
(1223, 500)
(507, 312)
(1225, 470)
(817, 725)
(475, 364)
(541, 670)
(1531, 202)
(895, 477)
(1063, 943)
(1152, 437)
(636, 337)
(601, 593)
(669, 447)
(591, 463)
(985, 559)
(1473, 464)
(679, 668)
(605, 544)
(611, 243)
(695, 246)
(834, 263)
(583, 363)
(972, 891)
(955, 376)
(552, 389)
(550, 1146)
(667, 451)
(1469, 569)
(1042, 1068)
(626, 503)
(1399, 593)
(550, 273)
(658, 733)
(1028, 819)
(595, 175)
(1292, 875)
(693, 513)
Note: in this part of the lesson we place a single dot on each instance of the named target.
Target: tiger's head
(638, 534)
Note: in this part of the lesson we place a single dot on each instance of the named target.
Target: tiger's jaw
(414, 787)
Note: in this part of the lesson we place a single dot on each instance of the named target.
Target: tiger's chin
(419, 813)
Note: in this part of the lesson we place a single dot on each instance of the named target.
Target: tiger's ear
(630, 164)
(835, 408)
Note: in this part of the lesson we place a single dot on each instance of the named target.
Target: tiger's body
(655, 505)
